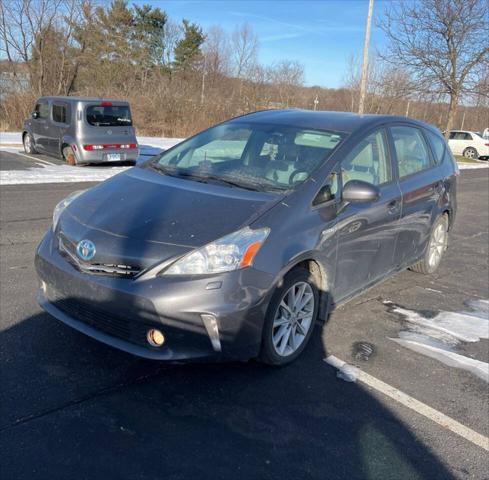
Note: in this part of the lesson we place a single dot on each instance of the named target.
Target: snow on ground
(15, 138)
(45, 171)
(438, 337)
(42, 173)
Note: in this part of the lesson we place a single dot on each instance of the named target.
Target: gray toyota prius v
(235, 242)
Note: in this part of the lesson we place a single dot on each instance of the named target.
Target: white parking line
(34, 158)
(419, 407)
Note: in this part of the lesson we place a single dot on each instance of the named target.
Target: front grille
(68, 249)
(100, 318)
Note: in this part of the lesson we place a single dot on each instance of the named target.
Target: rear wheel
(28, 144)
(437, 245)
(290, 319)
(471, 152)
(69, 155)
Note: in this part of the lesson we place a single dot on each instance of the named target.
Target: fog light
(155, 338)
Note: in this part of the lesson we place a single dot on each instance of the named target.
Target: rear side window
(42, 109)
(438, 146)
(460, 136)
(411, 150)
(60, 112)
(109, 115)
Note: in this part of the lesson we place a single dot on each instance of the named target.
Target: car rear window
(109, 115)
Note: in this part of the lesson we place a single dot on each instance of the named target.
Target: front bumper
(119, 311)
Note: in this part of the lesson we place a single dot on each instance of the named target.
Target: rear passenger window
(411, 150)
(438, 145)
(59, 113)
(368, 161)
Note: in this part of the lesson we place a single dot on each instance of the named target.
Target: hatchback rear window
(109, 115)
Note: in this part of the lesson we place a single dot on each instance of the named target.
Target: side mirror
(358, 191)
(35, 115)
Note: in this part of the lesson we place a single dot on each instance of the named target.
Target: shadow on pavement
(75, 408)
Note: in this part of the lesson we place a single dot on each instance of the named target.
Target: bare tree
(216, 51)
(244, 45)
(443, 43)
(286, 76)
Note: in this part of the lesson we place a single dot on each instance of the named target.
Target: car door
(421, 188)
(366, 232)
(40, 124)
(58, 125)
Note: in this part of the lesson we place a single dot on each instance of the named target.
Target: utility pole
(463, 121)
(363, 82)
(407, 108)
(316, 101)
(202, 90)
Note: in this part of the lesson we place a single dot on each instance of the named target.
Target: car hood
(143, 214)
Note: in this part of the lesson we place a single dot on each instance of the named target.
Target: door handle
(46, 127)
(394, 206)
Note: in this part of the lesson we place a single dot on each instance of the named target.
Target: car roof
(324, 120)
(82, 99)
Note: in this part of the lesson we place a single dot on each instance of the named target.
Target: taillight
(486, 144)
(111, 146)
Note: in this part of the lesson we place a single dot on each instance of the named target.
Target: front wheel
(28, 144)
(437, 245)
(290, 319)
(471, 152)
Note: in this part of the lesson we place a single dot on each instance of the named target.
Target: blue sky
(321, 34)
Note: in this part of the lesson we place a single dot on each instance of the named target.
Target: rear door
(40, 125)
(108, 123)
(367, 232)
(421, 189)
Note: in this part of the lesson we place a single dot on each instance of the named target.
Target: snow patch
(346, 372)
(42, 173)
(15, 138)
(437, 337)
(472, 166)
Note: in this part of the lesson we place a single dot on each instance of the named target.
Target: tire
(471, 152)
(283, 343)
(438, 242)
(28, 143)
(69, 156)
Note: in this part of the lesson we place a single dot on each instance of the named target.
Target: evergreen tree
(187, 50)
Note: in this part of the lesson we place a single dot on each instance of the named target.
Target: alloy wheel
(27, 143)
(470, 153)
(293, 319)
(438, 244)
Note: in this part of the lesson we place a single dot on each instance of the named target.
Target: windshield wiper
(175, 172)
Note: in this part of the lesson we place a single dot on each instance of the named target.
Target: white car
(468, 144)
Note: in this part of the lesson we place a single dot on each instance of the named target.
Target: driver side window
(368, 161)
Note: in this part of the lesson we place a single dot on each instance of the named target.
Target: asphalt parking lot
(74, 408)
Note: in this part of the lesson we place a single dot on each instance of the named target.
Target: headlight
(58, 209)
(231, 252)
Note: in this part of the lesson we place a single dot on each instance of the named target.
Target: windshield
(109, 115)
(255, 156)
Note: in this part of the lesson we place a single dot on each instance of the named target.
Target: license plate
(114, 157)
